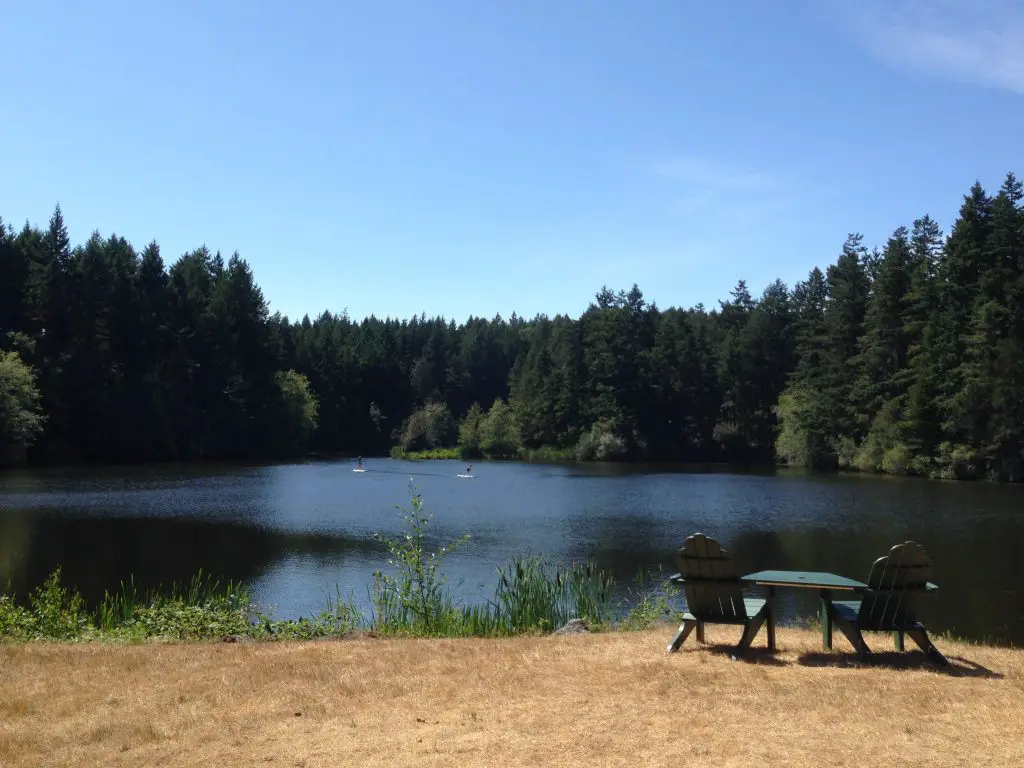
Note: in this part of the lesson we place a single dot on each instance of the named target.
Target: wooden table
(825, 583)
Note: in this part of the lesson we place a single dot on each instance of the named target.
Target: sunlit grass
(613, 698)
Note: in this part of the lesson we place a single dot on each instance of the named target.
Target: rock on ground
(573, 627)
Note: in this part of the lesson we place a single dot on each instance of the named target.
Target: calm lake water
(295, 532)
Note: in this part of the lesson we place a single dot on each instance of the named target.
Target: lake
(297, 532)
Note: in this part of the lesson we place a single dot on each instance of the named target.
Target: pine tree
(965, 262)
(804, 412)
(884, 345)
(920, 427)
(14, 276)
(768, 343)
(995, 352)
(738, 373)
(53, 292)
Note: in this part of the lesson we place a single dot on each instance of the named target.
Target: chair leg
(749, 633)
(700, 632)
(920, 636)
(852, 634)
(684, 632)
(826, 624)
(897, 638)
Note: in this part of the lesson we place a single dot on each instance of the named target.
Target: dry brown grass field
(604, 699)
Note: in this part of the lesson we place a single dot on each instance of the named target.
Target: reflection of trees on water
(98, 554)
(15, 536)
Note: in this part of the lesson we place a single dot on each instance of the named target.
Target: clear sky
(461, 157)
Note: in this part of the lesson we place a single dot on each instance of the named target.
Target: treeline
(908, 359)
(134, 362)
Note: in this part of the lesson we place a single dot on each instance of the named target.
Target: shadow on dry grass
(755, 655)
(909, 660)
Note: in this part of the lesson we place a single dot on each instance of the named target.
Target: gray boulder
(573, 627)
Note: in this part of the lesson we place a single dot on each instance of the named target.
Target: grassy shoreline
(605, 699)
(533, 596)
(533, 599)
(457, 454)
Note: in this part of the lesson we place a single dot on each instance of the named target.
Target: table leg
(826, 622)
(771, 617)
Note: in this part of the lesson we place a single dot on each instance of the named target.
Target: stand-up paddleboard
(358, 470)
(468, 477)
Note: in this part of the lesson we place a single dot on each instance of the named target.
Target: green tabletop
(808, 579)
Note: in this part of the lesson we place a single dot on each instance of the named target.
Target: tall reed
(534, 594)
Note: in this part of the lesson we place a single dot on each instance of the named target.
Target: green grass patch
(650, 603)
(542, 454)
(201, 609)
(547, 453)
(433, 453)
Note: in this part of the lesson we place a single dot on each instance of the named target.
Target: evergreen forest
(907, 358)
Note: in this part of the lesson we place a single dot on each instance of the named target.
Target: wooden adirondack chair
(713, 593)
(895, 583)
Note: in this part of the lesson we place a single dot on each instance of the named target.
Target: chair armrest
(926, 589)
(676, 578)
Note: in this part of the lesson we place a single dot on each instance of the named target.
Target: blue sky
(461, 157)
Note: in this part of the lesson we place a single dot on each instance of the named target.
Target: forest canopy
(907, 358)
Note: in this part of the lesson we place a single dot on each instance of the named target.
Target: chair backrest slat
(895, 582)
(715, 593)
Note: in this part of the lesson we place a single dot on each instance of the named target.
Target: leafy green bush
(601, 443)
(21, 413)
(430, 427)
(898, 460)
(651, 607)
(417, 598)
(957, 462)
(499, 432)
(471, 433)
(58, 612)
(339, 619)
(16, 622)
